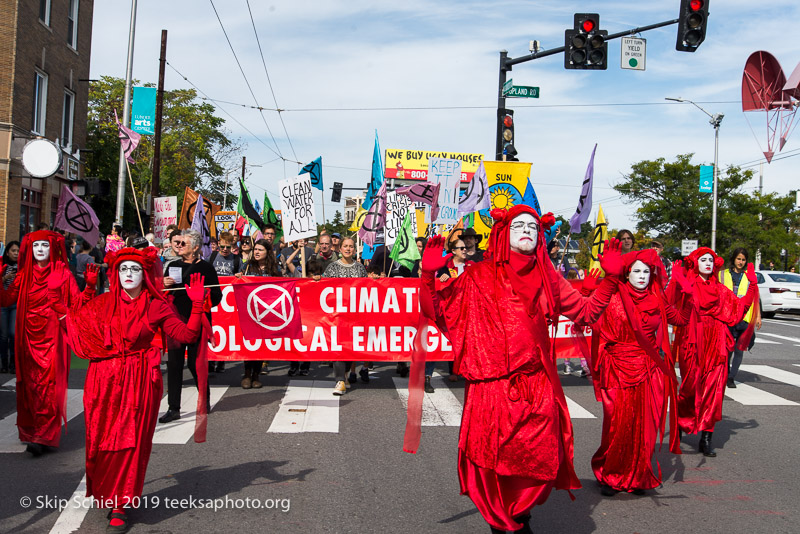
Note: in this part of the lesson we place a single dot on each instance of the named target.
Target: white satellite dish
(41, 158)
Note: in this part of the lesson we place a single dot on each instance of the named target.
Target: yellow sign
(413, 164)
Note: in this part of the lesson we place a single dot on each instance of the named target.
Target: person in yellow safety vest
(733, 278)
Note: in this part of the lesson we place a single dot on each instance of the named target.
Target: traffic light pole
(506, 64)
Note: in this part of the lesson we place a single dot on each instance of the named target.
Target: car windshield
(788, 278)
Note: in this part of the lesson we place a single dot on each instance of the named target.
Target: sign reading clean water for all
(632, 52)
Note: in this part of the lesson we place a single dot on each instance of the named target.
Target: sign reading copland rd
(523, 91)
(632, 52)
(297, 205)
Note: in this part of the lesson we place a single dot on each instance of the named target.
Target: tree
(337, 225)
(671, 206)
(195, 148)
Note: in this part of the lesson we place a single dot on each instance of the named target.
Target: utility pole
(155, 185)
(126, 113)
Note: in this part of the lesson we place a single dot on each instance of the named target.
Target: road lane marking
(307, 406)
(774, 373)
(576, 411)
(785, 338)
(767, 341)
(773, 321)
(180, 431)
(441, 408)
(9, 436)
(750, 396)
(71, 517)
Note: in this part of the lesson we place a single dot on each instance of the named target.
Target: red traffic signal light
(585, 45)
(692, 21)
(508, 121)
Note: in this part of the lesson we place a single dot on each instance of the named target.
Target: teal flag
(143, 110)
(376, 178)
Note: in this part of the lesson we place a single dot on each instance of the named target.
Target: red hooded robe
(634, 382)
(40, 350)
(703, 345)
(123, 384)
(515, 443)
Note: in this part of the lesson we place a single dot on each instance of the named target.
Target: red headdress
(147, 258)
(650, 258)
(691, 262)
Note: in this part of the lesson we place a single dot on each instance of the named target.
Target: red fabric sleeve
(584, 310)
(680, 317)
(8, 297)
(161, 315)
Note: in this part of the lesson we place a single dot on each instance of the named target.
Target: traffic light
(585, 45)
(692, 21)
(507, 140)
(336, 196)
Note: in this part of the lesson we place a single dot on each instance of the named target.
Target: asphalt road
(357, 479)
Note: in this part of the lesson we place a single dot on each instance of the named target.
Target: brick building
(45, 47)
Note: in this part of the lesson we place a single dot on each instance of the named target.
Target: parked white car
(779, 292)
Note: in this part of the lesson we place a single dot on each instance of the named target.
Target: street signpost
(632, 53)
(522, 91)
(507, 86)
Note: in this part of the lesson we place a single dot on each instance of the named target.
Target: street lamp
(715, 120)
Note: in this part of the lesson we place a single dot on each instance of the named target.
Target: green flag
(269, 216)
(405, 251)
(244, 207)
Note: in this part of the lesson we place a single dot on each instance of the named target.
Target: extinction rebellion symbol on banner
(268, 310)
(271, 306)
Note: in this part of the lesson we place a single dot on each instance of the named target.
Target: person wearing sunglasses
(190, 263)
(456, 265)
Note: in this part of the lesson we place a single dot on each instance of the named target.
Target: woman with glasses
(263, 263)
(457, 263)
(189, 263)
(246, 248)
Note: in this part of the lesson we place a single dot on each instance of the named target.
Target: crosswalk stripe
(767, 341)
(307, 406)
(774, 373)
(440, 408)
(9, 437)
(784, 323)
(71, 517)
(576, 411)
(750, 396)
(180, 431)
(785, 338)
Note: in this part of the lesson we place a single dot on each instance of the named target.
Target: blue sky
(327, 58)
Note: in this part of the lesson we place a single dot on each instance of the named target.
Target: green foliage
(195, 149)
(671, 207)
(337, 225)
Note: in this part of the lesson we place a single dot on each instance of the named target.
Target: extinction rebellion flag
(268, 309)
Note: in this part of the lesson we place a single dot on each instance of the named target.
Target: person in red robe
(632, 380)
(702, 346)
(123, 387)
(40, 350)
(515, 443)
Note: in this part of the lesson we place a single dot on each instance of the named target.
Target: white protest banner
(396, 208)
(299, 219)
(446, 173)
(165, 213)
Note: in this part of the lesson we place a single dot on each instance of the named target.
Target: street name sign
(523, 91)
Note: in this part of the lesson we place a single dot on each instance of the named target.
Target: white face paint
(130, 275)
(639, 276)
(705, 264)
(41, 250)
(524, 230)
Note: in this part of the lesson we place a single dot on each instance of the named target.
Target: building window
(29, 211)
(67, 119)
(72, 24)
(39, 102)
(44, 11)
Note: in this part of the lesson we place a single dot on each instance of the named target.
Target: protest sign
(299, 218)
(396, 208)
(446, 173)
(165, 212)
(188, 208)
(413, 164)
(225, 221)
